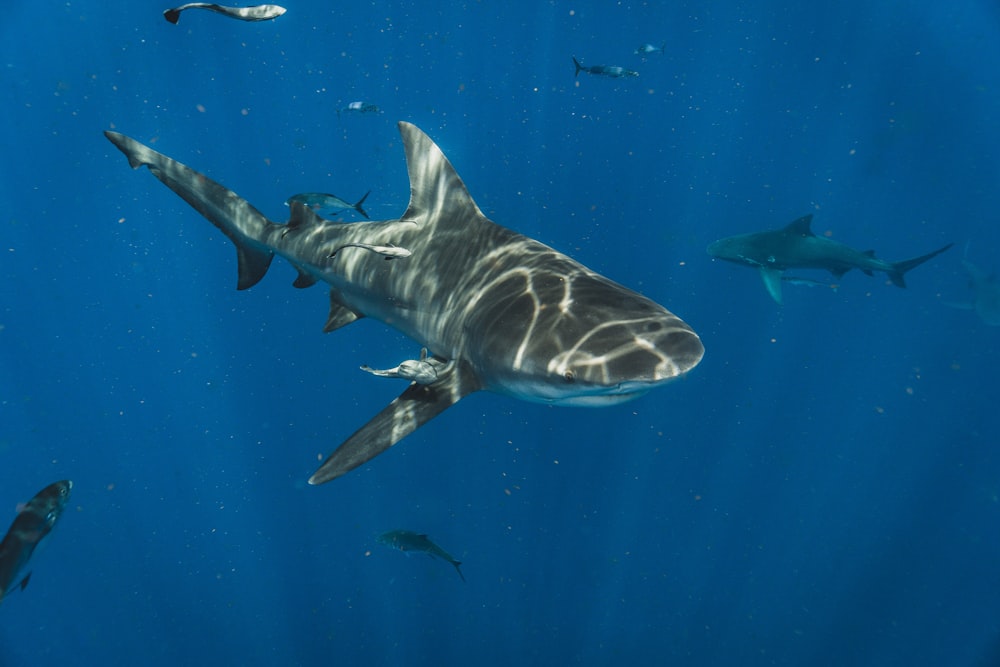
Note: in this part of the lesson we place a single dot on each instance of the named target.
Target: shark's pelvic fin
(772, 281)
(340, 315)
(412, 409)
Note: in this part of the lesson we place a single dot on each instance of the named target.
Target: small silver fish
(359, 108)
(646, 49)
(255, 13)
(321, 201)
(612, 71)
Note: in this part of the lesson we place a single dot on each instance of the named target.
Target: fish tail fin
(578, 66)
(458, 568)
(172, 15)
(230, 213)
(899, 269)
(357, 207)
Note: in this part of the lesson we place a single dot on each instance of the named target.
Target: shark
(494, 309)
(795, 246)
(986, 294)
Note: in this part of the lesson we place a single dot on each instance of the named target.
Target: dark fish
(613, 71)
(407, 540)
(321, 201)
(359, 107)
(256, 13)
(34, 521)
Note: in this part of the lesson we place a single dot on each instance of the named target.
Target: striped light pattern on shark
(497, 310)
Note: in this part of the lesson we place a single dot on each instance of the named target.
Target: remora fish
(498, 311)
(34, 521)
(320, 201)
(613, 71)
(407, 540)
(257, 13)
(359, 108)
(796, 247)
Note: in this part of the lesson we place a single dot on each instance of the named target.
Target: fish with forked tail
(612, 71)
(255, 13)
(321, 201)
(407, 540)
(34, 521)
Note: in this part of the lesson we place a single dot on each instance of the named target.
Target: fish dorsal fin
(437, 194)
(302, 216)
(801, 226)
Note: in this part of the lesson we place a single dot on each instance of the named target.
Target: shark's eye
(569, 376)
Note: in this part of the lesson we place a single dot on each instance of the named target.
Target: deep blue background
(824, 489)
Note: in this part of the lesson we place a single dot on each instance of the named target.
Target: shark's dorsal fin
(437, 193)
(340, 315)
(801, 226)
(412, 409)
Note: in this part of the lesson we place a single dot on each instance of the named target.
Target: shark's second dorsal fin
(302, 216)
(437, 194)
(801, 226)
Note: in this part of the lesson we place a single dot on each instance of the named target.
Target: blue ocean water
(824, 489)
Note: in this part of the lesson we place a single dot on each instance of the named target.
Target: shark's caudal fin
(412, 409)
(578, 66)
(234, 216)
(899, 269)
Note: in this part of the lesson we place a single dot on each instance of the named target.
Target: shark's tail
(578, 66)
(232, 214)
(458, 568)
(357, 207)
(898, 269)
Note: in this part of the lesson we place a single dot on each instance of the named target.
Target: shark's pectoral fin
(412, 409)
(772, 281)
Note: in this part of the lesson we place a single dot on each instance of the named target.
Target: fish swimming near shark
(647, 49)
(795, 247)
(407, 541)
(986, 294)
(612, 71)
(497, 311)
(34, 521)
(359, 108)
(321, 201)
(255, 13)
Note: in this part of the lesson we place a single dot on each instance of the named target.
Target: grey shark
(33, 523)
(986, 294)
(796, 247)
(407, 540)
(497, 311)
(255, 13)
